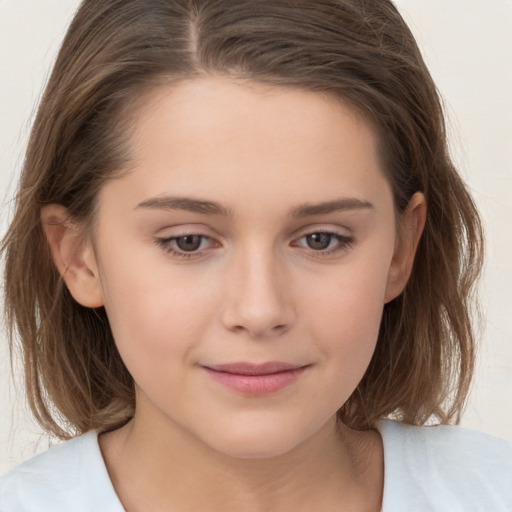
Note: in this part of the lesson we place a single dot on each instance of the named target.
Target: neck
(168, 469)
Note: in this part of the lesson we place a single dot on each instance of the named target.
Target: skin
(254, 291)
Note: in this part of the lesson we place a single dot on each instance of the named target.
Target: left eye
(319, 241)
(324, 241)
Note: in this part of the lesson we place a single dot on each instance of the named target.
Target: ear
(411, 228)
(74, 258)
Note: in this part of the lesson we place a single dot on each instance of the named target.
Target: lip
(256, 379)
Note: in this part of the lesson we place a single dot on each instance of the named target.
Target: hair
(360, 51)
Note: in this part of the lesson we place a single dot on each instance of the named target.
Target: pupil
(189, 242)
(319, 241)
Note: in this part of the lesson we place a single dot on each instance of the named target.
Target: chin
(251, 448)
(257, 440)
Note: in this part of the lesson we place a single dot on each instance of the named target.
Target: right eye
(189, 243)
(186, 246)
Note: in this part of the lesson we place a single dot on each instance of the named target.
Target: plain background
(468, 47)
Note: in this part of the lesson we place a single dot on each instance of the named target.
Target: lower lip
(256, 385)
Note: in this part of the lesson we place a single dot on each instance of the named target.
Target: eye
(325, 242)
(319, 241)
(189, 243)
(186, 245)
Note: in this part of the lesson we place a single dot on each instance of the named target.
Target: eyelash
(167, 244)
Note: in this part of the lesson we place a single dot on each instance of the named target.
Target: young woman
(240, 248)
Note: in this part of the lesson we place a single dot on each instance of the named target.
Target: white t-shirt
(438, 469)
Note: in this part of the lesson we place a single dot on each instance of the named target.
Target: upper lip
(243, 368)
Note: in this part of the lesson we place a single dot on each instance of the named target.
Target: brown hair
(359, 50)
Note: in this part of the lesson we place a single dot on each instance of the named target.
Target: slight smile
(256, 379)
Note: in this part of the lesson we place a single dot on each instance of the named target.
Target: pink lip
(255, 379)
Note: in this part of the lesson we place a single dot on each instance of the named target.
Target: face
(244, 260)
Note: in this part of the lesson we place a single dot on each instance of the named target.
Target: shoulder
(445, 469)
(68, 477)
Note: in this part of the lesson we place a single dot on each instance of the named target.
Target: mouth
(256, 379)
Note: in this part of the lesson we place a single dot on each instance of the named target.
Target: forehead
(239, 139)
(210, 103)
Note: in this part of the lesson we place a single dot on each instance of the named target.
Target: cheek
(348, 327)
(154, 315)
(345, 315)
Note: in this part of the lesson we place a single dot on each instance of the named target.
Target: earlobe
(411, 224)
(74, 258)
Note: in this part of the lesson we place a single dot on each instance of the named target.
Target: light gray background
(468, 47)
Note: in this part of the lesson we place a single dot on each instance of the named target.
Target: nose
(259, 298)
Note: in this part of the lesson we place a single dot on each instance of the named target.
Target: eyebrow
(185, 203)
(204, 207)
(336, 205)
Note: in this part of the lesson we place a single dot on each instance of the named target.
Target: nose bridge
(258, 301)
